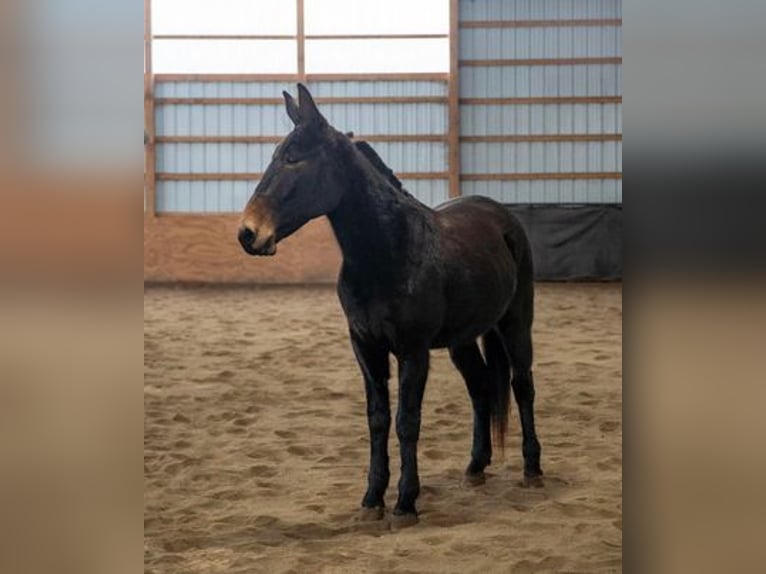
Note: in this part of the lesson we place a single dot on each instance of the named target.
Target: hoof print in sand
(533, 482)
(370, 514)
(399, 521)
(472, 480)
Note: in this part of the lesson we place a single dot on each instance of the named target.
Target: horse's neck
(373, 222)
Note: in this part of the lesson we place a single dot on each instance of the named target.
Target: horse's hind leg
(468, 360)
(516, 329)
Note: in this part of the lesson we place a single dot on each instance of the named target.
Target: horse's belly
(472, 312)
(455, 337)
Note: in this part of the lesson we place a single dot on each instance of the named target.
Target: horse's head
(301, 182)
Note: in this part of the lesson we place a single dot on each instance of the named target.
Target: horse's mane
(380, 165)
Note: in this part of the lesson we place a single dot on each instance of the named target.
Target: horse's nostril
(246, 237)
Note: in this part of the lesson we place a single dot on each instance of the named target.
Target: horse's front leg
(373, 361)
(413, 372)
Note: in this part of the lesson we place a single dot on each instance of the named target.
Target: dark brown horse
(413, 279)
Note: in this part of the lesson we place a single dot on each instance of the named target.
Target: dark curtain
(574, 242)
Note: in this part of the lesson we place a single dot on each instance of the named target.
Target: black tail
(518, 242)
(500, 386)
(495, 352)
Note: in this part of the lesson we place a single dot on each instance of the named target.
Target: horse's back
(477, 211)
(480, 221)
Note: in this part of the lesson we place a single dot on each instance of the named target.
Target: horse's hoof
(399, 521)
(476, 479)
(370, 514)
(533, 481)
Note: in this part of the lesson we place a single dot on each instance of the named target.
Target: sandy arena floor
(256, 443)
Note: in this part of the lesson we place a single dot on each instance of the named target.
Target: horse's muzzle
(255, 244)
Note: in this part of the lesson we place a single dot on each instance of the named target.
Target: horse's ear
(292, 108)
(308, 109)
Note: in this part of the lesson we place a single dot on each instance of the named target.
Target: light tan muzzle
(257, 232)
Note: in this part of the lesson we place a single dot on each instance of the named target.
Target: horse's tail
(495, 351)
(518, 242)
(499, 386)
(522, 305)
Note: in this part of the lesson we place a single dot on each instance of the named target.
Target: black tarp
(571, 243)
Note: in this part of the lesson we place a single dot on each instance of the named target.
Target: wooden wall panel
(204, 249)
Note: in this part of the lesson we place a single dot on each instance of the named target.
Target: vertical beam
(150, 180)
(453, 135)
(301, 37)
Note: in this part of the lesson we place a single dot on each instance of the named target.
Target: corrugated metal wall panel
(432, 192)
(386, 119)
(213, 157)
(540, 157)
(541, 81)
(203, 196)
(222, 89)
(222, 120)
(216, 89)
(350, 89)
(548, 191)
(538, 119)
(538, 10)
(542, 42)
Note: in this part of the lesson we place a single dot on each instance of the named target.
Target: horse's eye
(291, 156)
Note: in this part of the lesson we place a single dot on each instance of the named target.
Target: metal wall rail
(541, 23)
